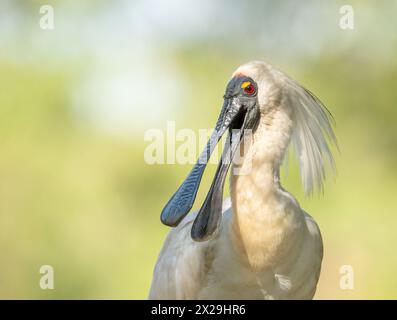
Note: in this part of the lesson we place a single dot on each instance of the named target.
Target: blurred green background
(76, 101)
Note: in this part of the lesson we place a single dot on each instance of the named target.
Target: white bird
(259, 244)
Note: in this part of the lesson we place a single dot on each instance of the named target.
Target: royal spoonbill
(259, 243)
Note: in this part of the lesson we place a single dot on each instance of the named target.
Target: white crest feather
(311, 136)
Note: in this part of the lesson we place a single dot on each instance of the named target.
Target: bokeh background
(76, 101)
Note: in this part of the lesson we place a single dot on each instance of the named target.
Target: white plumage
(266, 247)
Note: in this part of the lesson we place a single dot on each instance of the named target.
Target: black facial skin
(240, 111)
(247, 101)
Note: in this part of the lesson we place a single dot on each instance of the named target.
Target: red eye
(249, 89)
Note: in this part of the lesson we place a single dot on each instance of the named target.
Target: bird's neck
(255, 171)
(257, 197)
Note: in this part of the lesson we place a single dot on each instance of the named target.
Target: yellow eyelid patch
(245, 84)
